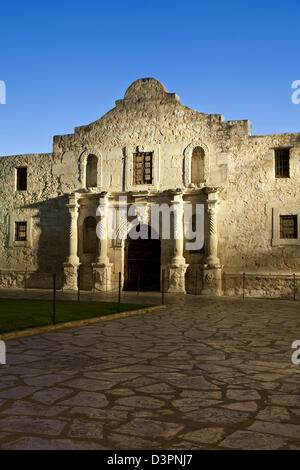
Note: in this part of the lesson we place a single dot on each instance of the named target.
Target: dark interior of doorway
(142, 264)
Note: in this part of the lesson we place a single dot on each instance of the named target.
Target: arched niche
(90, 168)
(89, 235)
(91, 171)
(196, 163)
(197, 166)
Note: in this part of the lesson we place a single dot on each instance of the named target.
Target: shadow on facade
(50, 236)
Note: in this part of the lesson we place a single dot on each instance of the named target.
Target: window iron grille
(282, 163)
(288, 226)
(21, 231)
(142, 168)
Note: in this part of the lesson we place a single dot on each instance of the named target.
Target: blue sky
(65, 63)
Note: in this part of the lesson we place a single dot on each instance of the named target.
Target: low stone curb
(72, 324)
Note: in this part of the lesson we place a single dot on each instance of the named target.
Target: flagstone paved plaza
(200, 374)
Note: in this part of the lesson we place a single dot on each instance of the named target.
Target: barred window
(142, 168)
(20, 231)
(22, 179)
(282, 163)
(288, 226)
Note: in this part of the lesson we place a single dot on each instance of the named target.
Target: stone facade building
(153, 149)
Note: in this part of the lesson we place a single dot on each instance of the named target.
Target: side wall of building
(42, 207)
(251, 203)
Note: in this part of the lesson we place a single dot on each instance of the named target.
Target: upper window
(142, 168)
(197, 170)
(91, 171)
(282, 163)
(21, 179)
(288, 226)
(20, 231)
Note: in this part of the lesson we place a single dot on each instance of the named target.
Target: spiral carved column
(72, 262)
(212, 240)
(177, 268)
(178, 233)
(102, 267)
(211, 269)
(102, 232)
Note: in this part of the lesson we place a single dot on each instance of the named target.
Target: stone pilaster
(177, 268)
(72, 262)
(102, 268)
(211, 269)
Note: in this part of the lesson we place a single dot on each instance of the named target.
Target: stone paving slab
(201, 374)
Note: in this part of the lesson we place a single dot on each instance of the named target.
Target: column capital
(177, 198)
(212, 195)
(103, 197)
(210, 189)
(72, 206)
(72, 198)
(211, 209)
(102, 205)
(72, 203)
(73, 211)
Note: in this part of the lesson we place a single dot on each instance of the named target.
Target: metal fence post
(163, 287)
(54, 300)
(294, 276)
(119, 294)
(78, 284)
(138, 286)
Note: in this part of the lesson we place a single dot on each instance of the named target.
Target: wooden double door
(142, 265)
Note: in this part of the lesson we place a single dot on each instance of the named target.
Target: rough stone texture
(149, 118)
(252, 441)
(168, 383)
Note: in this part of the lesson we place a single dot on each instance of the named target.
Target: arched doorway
(142, 262)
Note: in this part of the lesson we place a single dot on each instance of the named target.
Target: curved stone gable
(145, 89)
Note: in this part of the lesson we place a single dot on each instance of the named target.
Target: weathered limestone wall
(153, 121)
(43, 207)
(246, 213)
(260, 285)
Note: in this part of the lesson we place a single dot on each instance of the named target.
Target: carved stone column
(102, 267)
(72, 262)
(178, 267)
(211, 269)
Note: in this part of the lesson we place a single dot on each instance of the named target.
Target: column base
(70, 281)
(102, 277)
(212, 281)
(177, 278)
